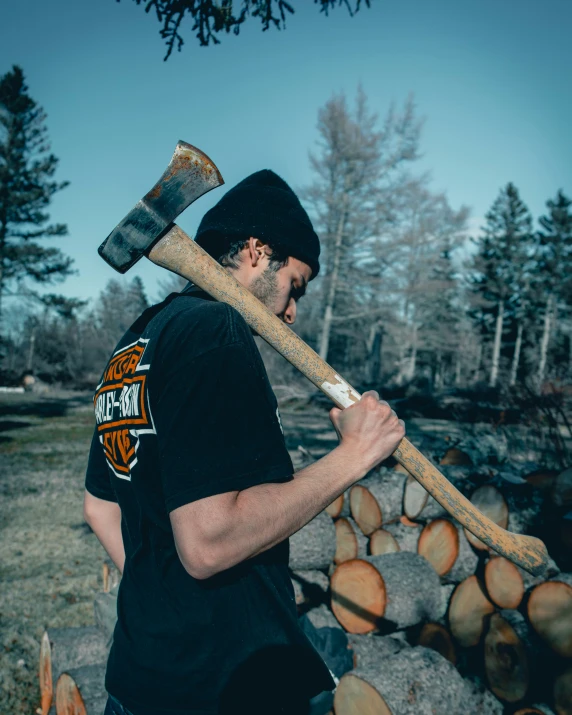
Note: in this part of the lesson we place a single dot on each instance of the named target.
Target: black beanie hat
(263, 206)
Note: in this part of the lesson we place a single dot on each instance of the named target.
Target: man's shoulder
(202, 324)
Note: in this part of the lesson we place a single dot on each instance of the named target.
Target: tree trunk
(516, 356)
(375, 343)
(413, 358)
(331, 296)
(30, 361)
(458, 367)
(545, 339)
(497, 345)
(478, 362)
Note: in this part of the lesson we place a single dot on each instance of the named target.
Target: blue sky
(491, 77)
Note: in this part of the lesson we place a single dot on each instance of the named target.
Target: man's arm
(218, 532)
(104, 517)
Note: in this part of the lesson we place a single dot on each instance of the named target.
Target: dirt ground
(50, 561)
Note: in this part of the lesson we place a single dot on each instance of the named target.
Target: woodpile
(438, 623)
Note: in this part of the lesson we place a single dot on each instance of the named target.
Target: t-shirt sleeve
(217, 428)
(97, 477)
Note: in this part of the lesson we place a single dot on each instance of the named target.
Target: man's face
(280, 289)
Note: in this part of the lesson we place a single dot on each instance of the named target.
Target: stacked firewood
(437, 622)
(73, 660)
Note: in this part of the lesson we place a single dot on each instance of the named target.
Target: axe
(148, 230)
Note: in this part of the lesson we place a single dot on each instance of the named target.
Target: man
(191, 490)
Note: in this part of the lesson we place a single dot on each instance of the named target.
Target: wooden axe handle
(180, 254)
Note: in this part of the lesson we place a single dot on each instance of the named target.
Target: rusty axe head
(190, 174)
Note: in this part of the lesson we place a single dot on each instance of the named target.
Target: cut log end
(358, 596)
(414, 498)
(504, 583)
(506, 662)
(467, 612)
(346, 542)
(438, 638)
(563, 693)
(491, 503)
(68, 697)
(365, 509)
(335, 508)
(550, 614)
(382, 542)
(46, 682)
(439, 544)
(355, 696)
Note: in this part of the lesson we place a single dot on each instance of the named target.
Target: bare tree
(357, 168)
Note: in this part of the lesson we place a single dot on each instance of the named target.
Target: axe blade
(190, 174)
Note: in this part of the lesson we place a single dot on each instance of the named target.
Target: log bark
(75, 647)
(314, 546)
(416, 681)
(479, 700)
(491, 503)
(371, 650)
(90, 681)
(509, 656)
(105, 612)
(390, 591)
(438, 638)
(563, 693)
(549, 611)
(467, 612)
(322, 617)
(407, 537)
(503, 582)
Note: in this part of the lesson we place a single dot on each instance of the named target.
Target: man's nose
(290, 312)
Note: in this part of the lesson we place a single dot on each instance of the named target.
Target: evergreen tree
(553, 276)
(27, 185)
(501, 265)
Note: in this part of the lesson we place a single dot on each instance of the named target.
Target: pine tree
(27, 186)
(500, 267)
(554, 270)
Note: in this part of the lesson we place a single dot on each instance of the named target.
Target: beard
(265, 288)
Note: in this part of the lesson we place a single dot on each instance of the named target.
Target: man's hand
(369, 429)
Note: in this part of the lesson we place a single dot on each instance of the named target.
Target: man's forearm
(266, 514)
(104, 517)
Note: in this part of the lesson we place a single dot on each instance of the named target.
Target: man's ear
(256, 250)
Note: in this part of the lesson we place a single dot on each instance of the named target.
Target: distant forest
(405, 297)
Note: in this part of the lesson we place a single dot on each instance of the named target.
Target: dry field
(50, 562)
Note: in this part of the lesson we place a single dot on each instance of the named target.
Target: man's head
(260, 231)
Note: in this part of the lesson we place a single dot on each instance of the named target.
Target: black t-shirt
(185, 411)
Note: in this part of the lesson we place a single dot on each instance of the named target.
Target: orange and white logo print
(122, 410)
